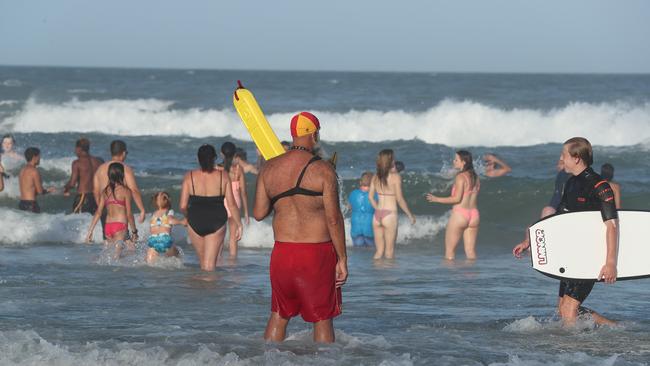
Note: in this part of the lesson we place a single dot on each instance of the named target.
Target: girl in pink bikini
(116, 197)
(238, 185)
(387, 185)
(464, 219)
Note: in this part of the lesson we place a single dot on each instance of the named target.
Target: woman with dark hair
(116, 197)
(238, 185)
(464, 219)
(388, 187)
(204, 194)
(607, 173)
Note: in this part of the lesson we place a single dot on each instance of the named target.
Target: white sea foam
(452, 123)
(28, 228)
(27, 347)
(560, 359)
(8, 102)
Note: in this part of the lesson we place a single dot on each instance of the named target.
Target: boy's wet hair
(580, 147)
(399, 166)
(31, 152)
(166, 201)
(84, 144)
(117, 147)
(366, 177)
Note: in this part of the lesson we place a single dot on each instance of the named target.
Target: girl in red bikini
(116, 197)
(464, 219)
(387, 184)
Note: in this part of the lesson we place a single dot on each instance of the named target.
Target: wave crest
(452, 123)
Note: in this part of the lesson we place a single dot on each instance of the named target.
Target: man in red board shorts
(309, 262)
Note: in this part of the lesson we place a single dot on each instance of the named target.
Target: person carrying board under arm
(584, 191)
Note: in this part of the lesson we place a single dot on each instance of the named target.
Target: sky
(585, 36)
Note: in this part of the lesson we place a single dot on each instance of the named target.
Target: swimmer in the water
(495, 166)
(241, 159)
(362, 212)
(160, 240)
(464, 220)
(238, 187)
(388, 186)
(31, 184)
(116, 197)
(9, 155)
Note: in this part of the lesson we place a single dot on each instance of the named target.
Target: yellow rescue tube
(259, 128)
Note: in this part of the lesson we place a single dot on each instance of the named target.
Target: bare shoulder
(325, 169)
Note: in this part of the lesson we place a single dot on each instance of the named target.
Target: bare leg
(324, 331)
(213, 243)
(455, 227)
(172, 252)
(569, 313)
(380, 244)
(276, 328)
(151, 255)
(198, 244)
(390, 234)
(232, 243)
(469, 240)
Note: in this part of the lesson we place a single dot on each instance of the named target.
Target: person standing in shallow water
(204, 194)
(387, 185)
(309, 259)
(238, 186)
(83, 171)
(584, 191)
(465, 219)
(31, 184)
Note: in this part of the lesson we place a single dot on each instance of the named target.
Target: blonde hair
(166, 201)
(580, 147)
(384, 164)
(366, 177)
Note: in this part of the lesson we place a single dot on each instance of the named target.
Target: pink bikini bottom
(471, 214)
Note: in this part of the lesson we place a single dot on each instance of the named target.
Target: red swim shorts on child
(303, 281)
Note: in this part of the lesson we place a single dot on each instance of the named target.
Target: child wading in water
(160, 241)
(116, 197)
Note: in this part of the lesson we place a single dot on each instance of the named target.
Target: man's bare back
(100, 182)
(30, 183)
(299, 218)
(83, 171)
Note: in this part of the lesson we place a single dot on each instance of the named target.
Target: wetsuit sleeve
(603, 191)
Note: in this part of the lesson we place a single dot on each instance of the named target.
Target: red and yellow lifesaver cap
(304, 123)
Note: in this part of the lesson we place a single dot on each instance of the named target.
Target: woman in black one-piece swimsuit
(204, 193)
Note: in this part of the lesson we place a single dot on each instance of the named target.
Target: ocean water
(67, 303)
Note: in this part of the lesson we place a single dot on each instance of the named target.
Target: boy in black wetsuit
(584, 191)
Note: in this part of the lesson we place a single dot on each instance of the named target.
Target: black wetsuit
(586, 192)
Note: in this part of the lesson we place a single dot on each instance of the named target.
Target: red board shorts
(303, 281)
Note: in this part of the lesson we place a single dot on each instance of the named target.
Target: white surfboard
(573, 246)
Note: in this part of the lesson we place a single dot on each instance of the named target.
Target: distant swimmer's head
(82, 146)
(241, 154)
(366, 177)
(33, 155)
(161, 201)
(385, 162)
(577, 155)
(304, 129)
(607, 171)
(118, 150)
(399, 166)
(228, 150)
(207, 155)
(8, 142)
